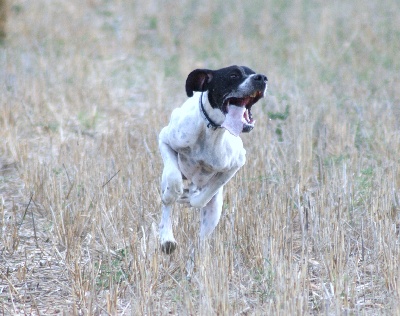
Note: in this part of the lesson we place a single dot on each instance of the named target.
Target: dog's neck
(207, 112)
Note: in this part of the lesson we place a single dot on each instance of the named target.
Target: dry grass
(3, 20)
(311, 223)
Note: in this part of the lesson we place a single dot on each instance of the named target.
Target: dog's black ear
(198, 80)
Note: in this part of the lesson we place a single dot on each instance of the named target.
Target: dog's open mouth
(238, 113)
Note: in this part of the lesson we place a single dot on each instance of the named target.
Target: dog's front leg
(171, 182)
(218, 181)
(171, 190)
(167, 240)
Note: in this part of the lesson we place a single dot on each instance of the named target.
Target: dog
(201, 144)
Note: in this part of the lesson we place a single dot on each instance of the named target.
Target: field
(310, 225)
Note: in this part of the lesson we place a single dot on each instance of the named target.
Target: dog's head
(233, 90)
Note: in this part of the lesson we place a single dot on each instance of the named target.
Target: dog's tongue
(233, 120)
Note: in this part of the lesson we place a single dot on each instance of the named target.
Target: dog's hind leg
(210, 214)
(209, 218)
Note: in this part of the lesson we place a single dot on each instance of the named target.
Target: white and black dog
(201, 143)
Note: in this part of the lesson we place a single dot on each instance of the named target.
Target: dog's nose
(260, 77)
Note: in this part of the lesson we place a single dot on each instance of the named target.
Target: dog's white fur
(201, 143)
(209, 158)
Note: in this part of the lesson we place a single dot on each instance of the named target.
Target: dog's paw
(168, 198)
(184, 198)
(173, 190)
(197, 201)
(171, 195)
(168, 247)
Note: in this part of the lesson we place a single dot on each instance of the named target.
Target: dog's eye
(234, 76)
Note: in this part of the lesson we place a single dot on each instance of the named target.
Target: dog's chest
(203, 159)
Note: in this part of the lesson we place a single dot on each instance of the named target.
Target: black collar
(210, 122)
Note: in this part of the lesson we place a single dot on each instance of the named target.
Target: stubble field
(310, 225)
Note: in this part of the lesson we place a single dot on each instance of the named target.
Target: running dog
(201, 143)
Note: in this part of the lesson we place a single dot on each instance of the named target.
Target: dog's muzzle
(238, 116)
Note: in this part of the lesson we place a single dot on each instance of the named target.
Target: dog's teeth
(246, 116)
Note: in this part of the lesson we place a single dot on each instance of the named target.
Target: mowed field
(310, 225)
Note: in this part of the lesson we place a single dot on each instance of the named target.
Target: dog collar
(210, 122)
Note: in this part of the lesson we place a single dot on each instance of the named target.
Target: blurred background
(310, 225)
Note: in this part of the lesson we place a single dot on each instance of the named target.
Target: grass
(310, 224)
